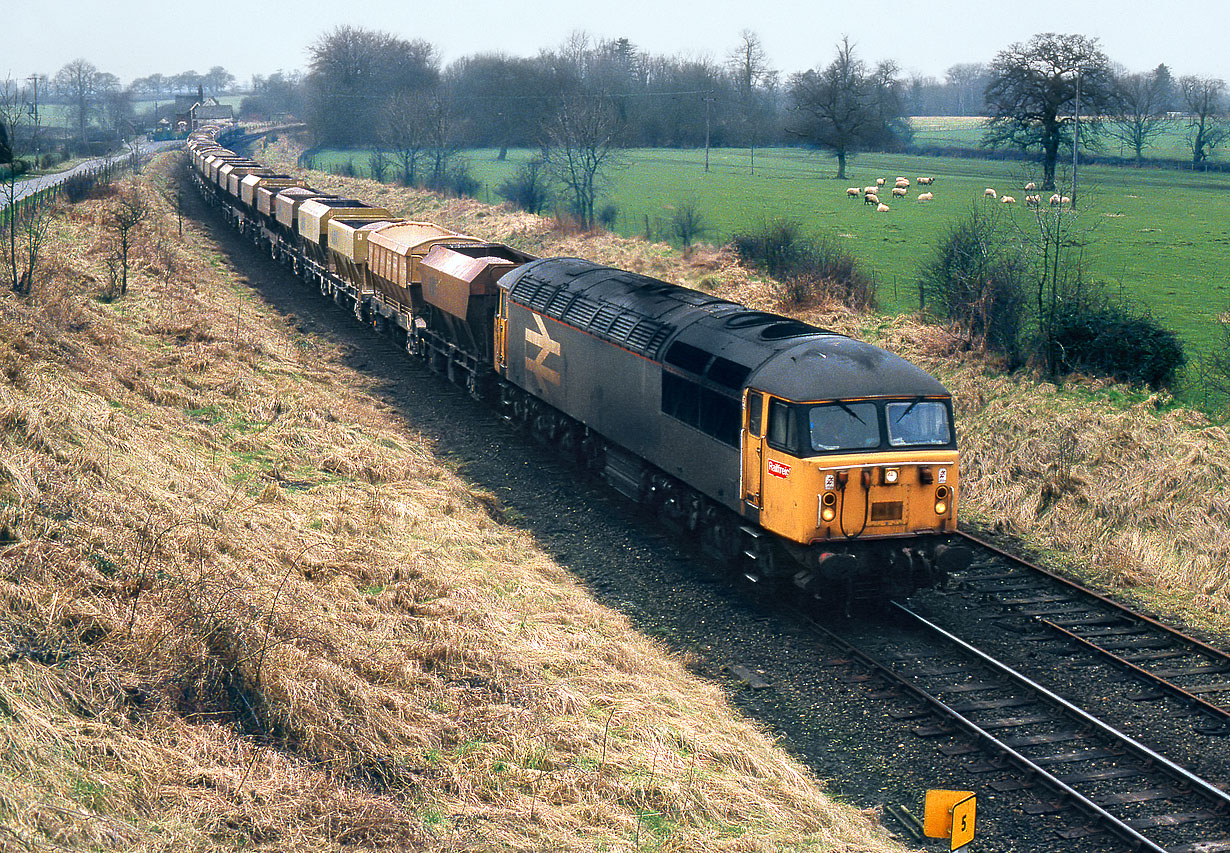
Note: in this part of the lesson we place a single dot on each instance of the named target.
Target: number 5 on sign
(950, 814)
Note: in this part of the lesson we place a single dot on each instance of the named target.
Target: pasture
(1159, 237)
(1170, 144)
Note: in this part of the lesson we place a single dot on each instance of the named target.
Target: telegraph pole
(708, 101)
(1076, 136)
(33, 78)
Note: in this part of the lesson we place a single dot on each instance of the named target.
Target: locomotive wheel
(571, 443)
(593, 454)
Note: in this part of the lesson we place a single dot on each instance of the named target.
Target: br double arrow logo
(546, 347)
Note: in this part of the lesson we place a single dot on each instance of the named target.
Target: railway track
(1046, 608)
(1115, 784)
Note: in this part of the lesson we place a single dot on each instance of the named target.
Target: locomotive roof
(718, 341)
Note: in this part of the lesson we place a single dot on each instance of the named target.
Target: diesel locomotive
(787, 451)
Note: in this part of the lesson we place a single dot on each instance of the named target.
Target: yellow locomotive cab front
(824, 475)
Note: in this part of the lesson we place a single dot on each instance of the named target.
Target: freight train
(789, 453)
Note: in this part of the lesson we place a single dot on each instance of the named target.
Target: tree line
(362, 85)
(583, 101)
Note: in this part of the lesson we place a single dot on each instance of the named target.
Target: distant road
(30, 186)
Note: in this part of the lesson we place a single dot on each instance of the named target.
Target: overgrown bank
(1122, 485)
(241, 604)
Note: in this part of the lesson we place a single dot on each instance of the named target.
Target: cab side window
(781, 432)
(755, 410)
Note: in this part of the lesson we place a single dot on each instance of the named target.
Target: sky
(134, 38)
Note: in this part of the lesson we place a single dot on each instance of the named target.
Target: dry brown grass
(1127, 495)
(245, 607)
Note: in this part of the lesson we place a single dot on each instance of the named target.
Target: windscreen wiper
(909, 409)
(850, 412)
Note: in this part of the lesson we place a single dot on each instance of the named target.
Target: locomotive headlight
(891, 475)
(828, 506)
(941, 500)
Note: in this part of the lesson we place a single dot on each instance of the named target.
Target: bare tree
(848, 107)
(378, 164)
(1140, 114)
(580, 144)
(355, 72)
(129, 210)
(1207, 125)
(438, 133)
(78, 83)
(12, 116)
(1034, 89)
(688, 224)
(28, 227)
(404, 134)
(217, 80)
(754, 81)
(968, 80)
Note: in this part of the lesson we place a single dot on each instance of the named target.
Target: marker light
(890, 475)
(828, 503)
(941, 500)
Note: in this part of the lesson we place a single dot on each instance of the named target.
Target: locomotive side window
(918, 424)
(755, 410)
(845, 426)
(680, 398)
(719, 417)
(708, 411)
(783, 429)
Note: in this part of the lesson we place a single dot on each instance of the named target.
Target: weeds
(809, 272)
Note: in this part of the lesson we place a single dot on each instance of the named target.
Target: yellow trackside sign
(950, 814)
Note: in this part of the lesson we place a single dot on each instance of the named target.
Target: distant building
(191, 111)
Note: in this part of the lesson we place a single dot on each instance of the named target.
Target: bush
(776, 248)
(978, 278)
(527, 189)
(1112, 340)
(808, 271)
(77, 187)
(461, 182)
(608, 215)
(687, 224)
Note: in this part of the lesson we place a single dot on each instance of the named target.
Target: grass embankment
(1158, 237)
(242, 606)
(1126, 489)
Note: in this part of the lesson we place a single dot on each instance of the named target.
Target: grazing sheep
(990, 193)
(925, 196)
(1008, 200)
(901, 182)
(852, 192)
(899, 192)
(1033, 200)
(871, 198)
(879, 182)
(1054, 200)
(1065, 200)
(881, 208)
(1030, 187)
(926, 181)
(870, 190)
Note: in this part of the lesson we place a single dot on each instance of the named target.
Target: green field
(1160, 237)
(1171, 144)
